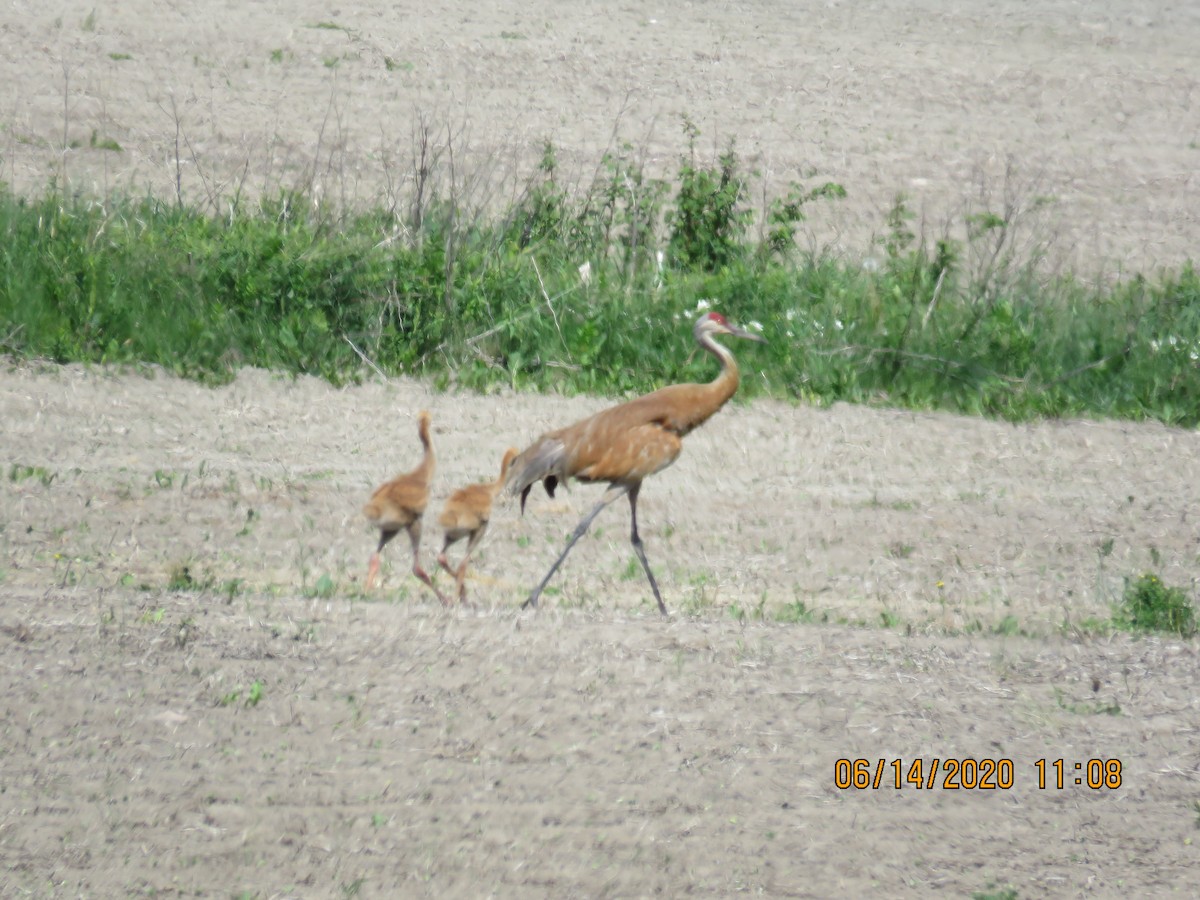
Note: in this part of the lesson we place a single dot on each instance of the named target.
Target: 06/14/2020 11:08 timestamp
(968, 774)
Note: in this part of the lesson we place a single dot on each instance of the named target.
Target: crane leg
(461, 575)
(414, 535)
(442, 560)
(373, 566)
(580, 530)
(637, 546)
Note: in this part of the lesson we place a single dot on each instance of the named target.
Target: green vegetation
(434, 285)
(1150, 605)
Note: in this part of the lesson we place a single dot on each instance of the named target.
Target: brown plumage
(625, 444)
(399, 505)
(466, 515)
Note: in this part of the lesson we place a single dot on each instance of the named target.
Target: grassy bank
(440, 290)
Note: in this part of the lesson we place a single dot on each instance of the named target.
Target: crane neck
(725, 385)
(427, 461)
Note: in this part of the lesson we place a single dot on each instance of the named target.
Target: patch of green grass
(991, 892)
(324, 588)
(1148, 604)
(182, 578)
(1090, 708)
(252, 695)
(1008, 626)
(889, 619)
(255, 694)
(21, 471)
(104, 143)
(798, 612)
(119, 57)
(632, 570)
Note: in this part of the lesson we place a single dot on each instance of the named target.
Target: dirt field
(198, 699)
(589, 749)
(1083, 115)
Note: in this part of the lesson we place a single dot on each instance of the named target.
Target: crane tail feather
(543, 462)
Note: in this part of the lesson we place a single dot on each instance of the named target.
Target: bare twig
(66, 146)
(549, 306)
(937, 290)
(6, 341)
(364, 358)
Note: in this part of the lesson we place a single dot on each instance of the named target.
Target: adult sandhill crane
(625, 444)
(466, 515)
(399, 506)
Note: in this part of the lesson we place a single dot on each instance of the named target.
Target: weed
(119, 57)
(20, 472)
(323, 589)
(709, 220)
(1150, 605)
(631, 571)
(798, 612)
(180, 578)
(991, 892)
(1008, 626)
(1086, 709)
(255, 694)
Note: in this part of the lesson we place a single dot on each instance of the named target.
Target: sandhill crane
(399, 506)
(624, 444)
(466, 515)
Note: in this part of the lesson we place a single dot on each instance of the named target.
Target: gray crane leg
(580, 530)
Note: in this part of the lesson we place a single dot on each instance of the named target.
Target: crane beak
(743, 333)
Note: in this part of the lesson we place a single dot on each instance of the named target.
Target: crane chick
(466, 515)
(629, 442)
(399, 505)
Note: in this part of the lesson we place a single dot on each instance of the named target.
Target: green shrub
(451, 293)
(1150, 605)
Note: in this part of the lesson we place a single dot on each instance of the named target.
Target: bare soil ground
(168, 546)
(198, 699)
